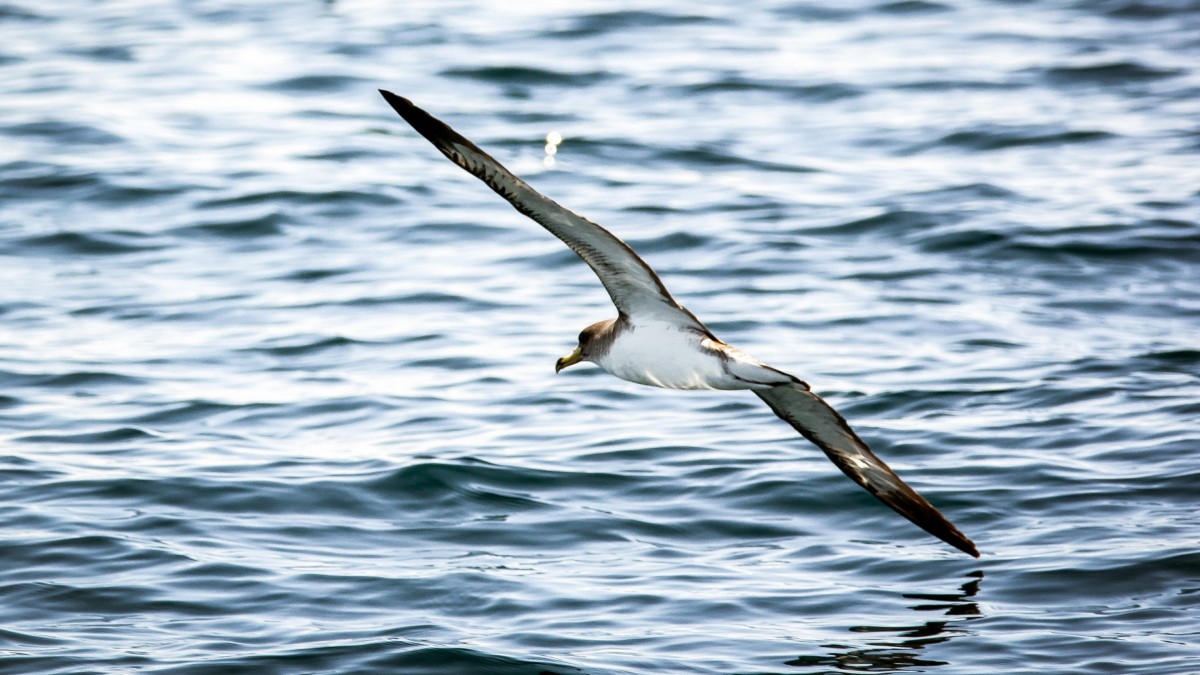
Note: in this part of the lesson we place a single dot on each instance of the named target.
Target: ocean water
(276, 380)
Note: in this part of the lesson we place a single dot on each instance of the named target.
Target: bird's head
(593, 342)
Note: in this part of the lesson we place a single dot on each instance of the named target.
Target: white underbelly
(664, 356)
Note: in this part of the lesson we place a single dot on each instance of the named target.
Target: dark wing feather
(633, 286)
(817, 421)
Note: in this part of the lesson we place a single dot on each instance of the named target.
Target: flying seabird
(656, 341)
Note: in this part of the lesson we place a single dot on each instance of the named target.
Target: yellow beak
(569, 360)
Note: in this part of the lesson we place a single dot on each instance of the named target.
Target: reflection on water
(904, 653)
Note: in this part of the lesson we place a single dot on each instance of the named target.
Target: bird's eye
(583, 336)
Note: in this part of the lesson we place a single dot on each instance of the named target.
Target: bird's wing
(633, 286)
(817, 421)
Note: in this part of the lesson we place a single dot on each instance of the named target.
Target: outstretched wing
(817, 421)
(634, 288)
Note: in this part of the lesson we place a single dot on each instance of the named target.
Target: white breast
(669, 356)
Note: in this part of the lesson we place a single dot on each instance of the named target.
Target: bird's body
(655, 341)
(665, 354)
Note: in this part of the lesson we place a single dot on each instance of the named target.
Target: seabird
(656, 341)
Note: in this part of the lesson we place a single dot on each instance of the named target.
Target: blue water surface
(276, 379)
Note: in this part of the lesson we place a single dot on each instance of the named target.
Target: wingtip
(448, 141)
(968, 547)
(952, 536)
(427, 125)
(939, 526)
(933, 522)
(397, 102)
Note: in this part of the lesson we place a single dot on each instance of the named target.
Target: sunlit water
(277, 384)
